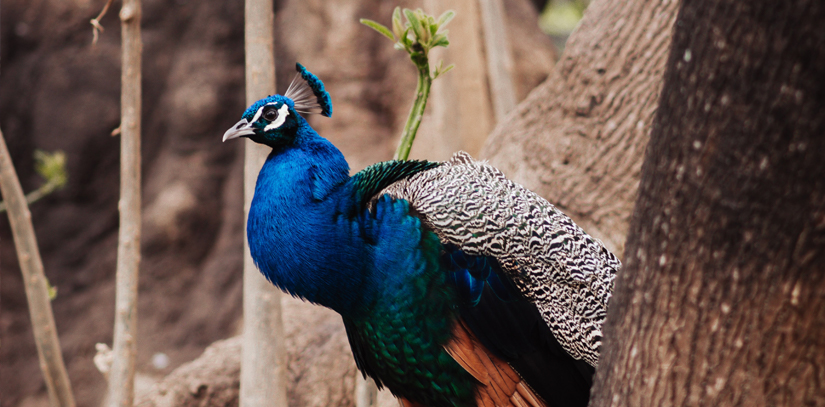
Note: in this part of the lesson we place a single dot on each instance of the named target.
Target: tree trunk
(721, 298)
(263, 371)
(578, 139)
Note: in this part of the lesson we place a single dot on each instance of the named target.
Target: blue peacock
(457, 286)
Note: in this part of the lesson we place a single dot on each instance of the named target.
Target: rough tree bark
(122, 374)
(721, 299)
(578, 138)
(263, 376)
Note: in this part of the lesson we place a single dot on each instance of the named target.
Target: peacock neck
(300, 226)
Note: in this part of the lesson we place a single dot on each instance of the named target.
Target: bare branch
(37, 288)
(122, 375)
(96, 27)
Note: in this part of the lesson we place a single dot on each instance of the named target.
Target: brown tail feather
(407, 403)
(500, 385)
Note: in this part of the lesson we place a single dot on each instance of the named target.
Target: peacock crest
(308, 93)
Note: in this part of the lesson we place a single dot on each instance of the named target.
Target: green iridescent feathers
(373, 179)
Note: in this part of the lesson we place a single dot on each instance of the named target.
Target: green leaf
(405, 39)
(445, 18)
(397, 27)
(440, 40)
(425, 33)
(426, 28)
(51, 166)
(52, 290)
(378, 27)
(415, 24)
(447, 69)
(437, 70)
(432, 24)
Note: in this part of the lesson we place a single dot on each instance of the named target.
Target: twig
(37, 290)
(36, 195)
(52, 167)
(122, 374)
(96, 27)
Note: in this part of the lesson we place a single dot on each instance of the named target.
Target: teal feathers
(373, 179)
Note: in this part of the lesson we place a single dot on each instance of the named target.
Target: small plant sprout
(50, 166)
(418, 35)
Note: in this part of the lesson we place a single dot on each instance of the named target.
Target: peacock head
(275, 120)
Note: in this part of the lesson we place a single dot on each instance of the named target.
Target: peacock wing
(500, 331)
(567, 273)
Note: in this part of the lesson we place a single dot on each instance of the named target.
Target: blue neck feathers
(303, 201)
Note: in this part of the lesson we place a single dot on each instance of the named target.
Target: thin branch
(122, 375)
(38, 194)
(37, 288)
(50, 166)
(96, 27)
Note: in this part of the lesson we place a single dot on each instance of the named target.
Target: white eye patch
(283, 112)
(258, 114)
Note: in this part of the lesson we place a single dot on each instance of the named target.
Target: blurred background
(61, 93)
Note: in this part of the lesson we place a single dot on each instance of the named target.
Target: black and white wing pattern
(567, 273)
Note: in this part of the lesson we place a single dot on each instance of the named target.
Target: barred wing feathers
(567, 273)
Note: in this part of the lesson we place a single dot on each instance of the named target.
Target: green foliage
(417, 36)
(378, 27)
(52, 290)
(50, 166)
(561, 17)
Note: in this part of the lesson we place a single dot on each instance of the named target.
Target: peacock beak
(240, 129)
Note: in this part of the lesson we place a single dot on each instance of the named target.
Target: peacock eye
(270, 113)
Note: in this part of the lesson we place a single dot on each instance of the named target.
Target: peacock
(456, 286)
